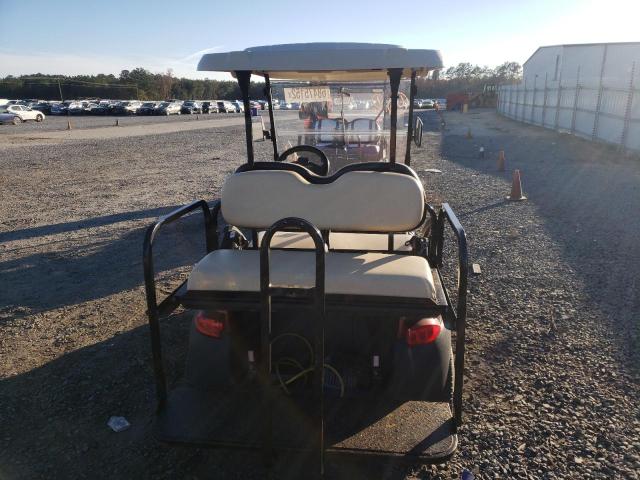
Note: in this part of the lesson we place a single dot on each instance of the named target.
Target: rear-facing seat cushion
(369, 274)
(343, 241)
(355, 201)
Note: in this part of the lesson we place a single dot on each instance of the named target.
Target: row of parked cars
(126, 107)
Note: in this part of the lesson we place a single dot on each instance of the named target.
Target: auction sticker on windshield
(307, 94)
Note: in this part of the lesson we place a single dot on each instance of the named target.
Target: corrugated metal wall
(590, 91)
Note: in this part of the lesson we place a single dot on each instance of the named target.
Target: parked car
(210, 107)
(58, 109)
(19, 113)
(76, 108)
(425, 103)
(239, 106)
(101, 109)
(147, 108)
(226, 107)
(190, 107)
(168, 108)
(88, 108)
(127, 107)
(44, 107)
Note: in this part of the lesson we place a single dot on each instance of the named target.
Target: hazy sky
(86, 36)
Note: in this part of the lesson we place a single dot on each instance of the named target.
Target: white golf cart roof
(324, 61)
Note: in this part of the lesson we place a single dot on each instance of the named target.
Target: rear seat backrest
(357, 201)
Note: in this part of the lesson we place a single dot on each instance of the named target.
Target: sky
(91, 36)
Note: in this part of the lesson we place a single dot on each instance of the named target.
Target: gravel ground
(552, 366)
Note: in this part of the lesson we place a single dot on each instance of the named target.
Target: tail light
(211, 324)
(424, 332)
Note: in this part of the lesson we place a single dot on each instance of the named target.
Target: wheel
(39, 118)
(322, 169)
(16, 120)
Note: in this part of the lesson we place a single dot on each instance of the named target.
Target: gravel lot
(552, 374)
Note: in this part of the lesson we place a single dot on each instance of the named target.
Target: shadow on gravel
(588, 195)
(58, 228)
(93, 264)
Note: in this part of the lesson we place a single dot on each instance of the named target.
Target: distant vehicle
(285, 106)
(19, 113)
(88, 108)
(76, 108)
(59, 109)
(427, 103)
(3, 102)
(44, 107)
(168, 108)
(226, 107)
(127, 108)
(263, 104)
(210, 107)
(101, 109)
(239, 106)
(190, 107)
(147, 108)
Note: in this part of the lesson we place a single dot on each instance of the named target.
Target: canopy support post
(268, 95)
(394, 81)
(244, 80)
(412, 96)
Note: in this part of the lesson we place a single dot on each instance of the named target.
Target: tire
(39, 118)
(16, 120)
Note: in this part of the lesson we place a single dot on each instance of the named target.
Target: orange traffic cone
(68, 124)
(516, 188)
(501, 161)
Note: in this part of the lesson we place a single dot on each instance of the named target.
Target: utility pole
(60, 90)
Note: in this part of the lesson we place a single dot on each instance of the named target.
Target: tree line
(467, 78)
(144, 85)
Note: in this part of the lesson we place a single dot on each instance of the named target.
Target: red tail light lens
(424, 332)
(211, 324)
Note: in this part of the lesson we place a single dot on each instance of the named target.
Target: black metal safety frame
(457, 314)
(412, 96)
(395, 74)
(244, 81)
(155, 310)
(269, 96)
(318, 297)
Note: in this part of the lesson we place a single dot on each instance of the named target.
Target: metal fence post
(627, 111)
(524, 99)
(533, 99)
(596, 115)
(544, 100)
(557, 119)
(575, 102)
(510, 99)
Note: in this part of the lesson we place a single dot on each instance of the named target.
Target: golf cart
(320, 317)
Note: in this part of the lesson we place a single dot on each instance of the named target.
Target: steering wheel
(322, 169)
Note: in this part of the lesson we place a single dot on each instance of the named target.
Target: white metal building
(590, 90)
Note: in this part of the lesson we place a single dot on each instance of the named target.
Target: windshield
(349, 122)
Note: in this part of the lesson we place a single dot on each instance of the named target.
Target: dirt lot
(552, 374)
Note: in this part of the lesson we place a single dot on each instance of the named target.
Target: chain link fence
(598, 111)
